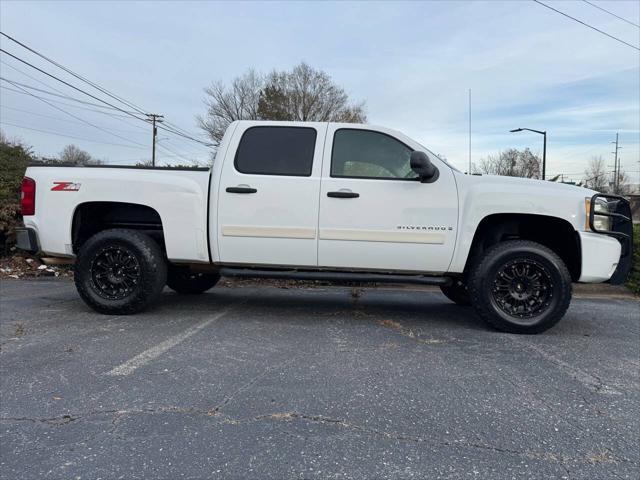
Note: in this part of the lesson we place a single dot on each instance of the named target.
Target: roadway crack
(247, 386)
(60, 421)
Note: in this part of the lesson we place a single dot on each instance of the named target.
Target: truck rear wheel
(520, 286)
(457, 293)
(120, 271)
(182, 280)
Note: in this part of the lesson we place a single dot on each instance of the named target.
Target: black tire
(182, 280)
(457, 293)
(120, 272)
(520, 286)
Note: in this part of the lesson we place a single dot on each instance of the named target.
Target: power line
(104, 112)
(62, 119)
(611, 13)
(70, 85)
(103, 101)
(175, 130)
(178, 129)
(183, 148)
(70, 136)
(22, 72)
(59, 95)
(176, 154)
(79, 77)
(189, 137)
(120, 117)
(587, 25)
(79, 118)
(195, 161)
(183, 156)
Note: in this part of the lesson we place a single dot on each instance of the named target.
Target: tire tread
(479, 269)
(153, 278)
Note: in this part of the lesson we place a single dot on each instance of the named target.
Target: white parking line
(589, 380)
(128, 367)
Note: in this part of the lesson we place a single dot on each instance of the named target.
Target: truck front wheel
(120, 271)
(520, 286)
(182, 280)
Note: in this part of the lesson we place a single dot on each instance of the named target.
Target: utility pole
(616, 166)
(154, 118)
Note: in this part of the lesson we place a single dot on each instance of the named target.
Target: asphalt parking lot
(269, 382)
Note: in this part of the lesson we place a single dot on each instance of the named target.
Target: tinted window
(363, 153)
(276, 151)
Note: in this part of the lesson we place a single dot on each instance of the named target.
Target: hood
(528, 183)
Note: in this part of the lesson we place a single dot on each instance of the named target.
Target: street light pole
(544, 156)
(544, 147)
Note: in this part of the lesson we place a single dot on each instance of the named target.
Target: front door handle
(241, 190)
(343, 194)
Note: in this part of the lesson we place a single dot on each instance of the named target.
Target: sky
(412, 63)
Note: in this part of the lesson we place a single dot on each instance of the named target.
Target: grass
(634, 278)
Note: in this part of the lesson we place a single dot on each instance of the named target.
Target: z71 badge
(65, 187)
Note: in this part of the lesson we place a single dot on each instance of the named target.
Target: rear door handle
(241, 190)
(343, 194)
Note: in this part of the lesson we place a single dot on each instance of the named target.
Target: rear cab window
(275, 150)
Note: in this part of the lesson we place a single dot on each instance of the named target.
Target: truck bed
(178, 196)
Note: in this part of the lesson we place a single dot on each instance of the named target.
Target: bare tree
(493, 165)
(595, 175)
(528, 165)
(510, 163)
(239, 101)
(597, 178)
(622, 186)
(273, 103)
(303, 94)
(75, 156)
(306, 94)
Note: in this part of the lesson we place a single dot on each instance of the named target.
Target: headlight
(600, 222)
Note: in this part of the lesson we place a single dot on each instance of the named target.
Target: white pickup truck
(332, 202)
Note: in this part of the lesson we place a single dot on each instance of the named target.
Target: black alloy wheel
(120, 271)
(523, 289)
(115, 272)
(520, 286)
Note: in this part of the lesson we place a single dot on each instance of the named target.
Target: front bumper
(27, 239)
(600, 257)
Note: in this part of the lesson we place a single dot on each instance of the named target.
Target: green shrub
(634, 278)
(14, 159)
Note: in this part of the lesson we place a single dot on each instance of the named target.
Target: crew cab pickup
(332, 202)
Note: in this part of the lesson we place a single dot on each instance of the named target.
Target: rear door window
(276, 151)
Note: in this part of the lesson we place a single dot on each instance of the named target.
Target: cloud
(413, 63)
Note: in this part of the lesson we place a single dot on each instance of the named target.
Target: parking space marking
(589, 380)
(128, 367)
